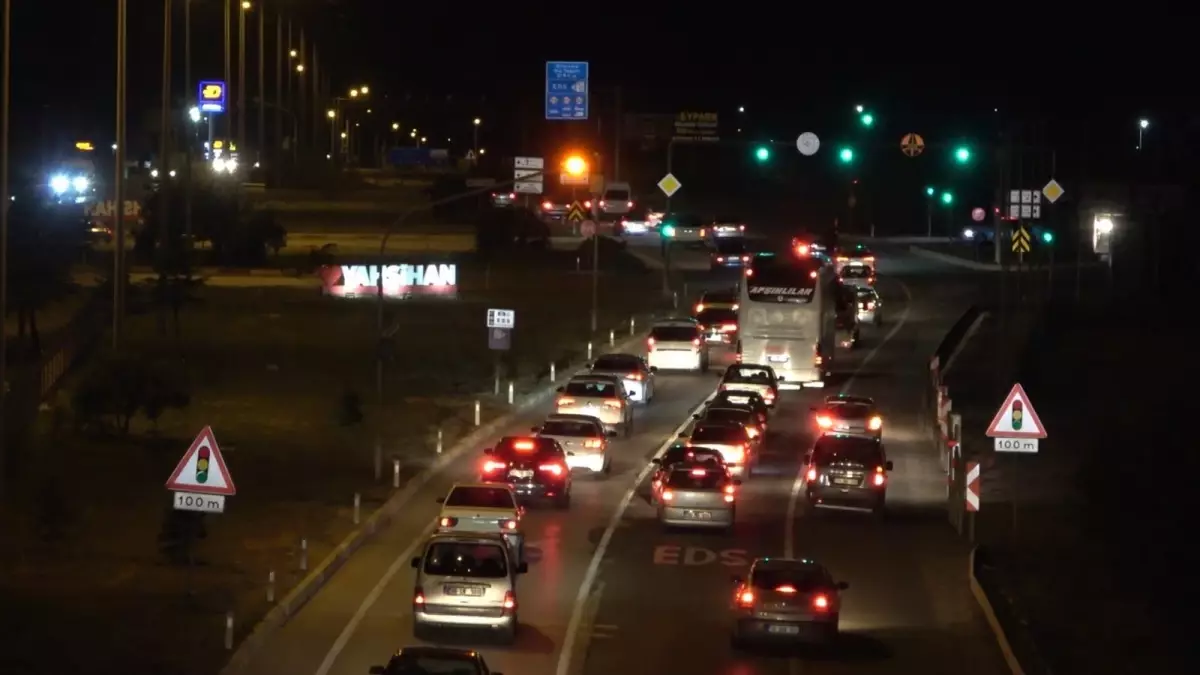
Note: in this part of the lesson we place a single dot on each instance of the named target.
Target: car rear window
(683, 453)
(714, 317)
(857, 271)
(855, 450)
(748, 375)
(591, 388)
(849, 410)
(673, 333)
(571, 428)
(804, 580)
(727, 415)
(461, 559)
(620, 362)
(696, 478)
(718, 434)
(481, 497)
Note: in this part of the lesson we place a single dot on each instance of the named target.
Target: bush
(117, 389)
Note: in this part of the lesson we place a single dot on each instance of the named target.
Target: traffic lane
(559, 546)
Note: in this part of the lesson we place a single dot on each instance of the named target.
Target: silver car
(788, 600)
(466, 581)
(600, 396)
(584, 440)
(635, 374)
(870, 307)
(753, 377)
(698, 495)
(677, 344)
(731, 440)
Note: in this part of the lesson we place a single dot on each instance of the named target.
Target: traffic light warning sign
(202, 469)
(1016, 418)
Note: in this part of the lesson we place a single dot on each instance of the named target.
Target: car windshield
(696, 478)
(849, 410)
(865, 294)
(718, 434)
(857, 271)
(461, 559)
(731, 246)
(683, 453)
(597, 388)
(715, 317)
(481, 497)
(571, 428)
(616, 195)
(410, 663)
(748, 375)
(804, 580)
(673, 333)
(853, 450)
(727, 415)
(618, 362)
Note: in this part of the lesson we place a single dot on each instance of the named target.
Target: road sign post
(972, 493)
(1020, 240)
(201, 481)
(211, 95)
(912, 145)
(1016, 426)
(808, 143)
(567, 90)
(528, 175)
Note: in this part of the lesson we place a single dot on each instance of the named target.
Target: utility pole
(4, 204)
(278, 136)
(617, 139)
(230, 110)
(190, 136)
(315, 113)
(262, 85)
(164, 141)
(118, 280)
(241, 85)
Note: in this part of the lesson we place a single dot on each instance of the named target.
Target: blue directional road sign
(567, 90)
(211, 95)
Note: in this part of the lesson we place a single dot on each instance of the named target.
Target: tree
(115, 390)
(43, 240)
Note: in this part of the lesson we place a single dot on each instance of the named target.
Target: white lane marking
(789, 534)
(589, 577)
(399, 563)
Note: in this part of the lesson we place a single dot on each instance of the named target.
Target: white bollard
(510, 393)
(303, 555)
(578, 266)
(589, 351)
(228, 630)
(477, 413)
(632, 326)
(396, 474)
(439, 441)
(553, 376)
(612, 338)
(675, 299)
(271, 586)
(357, 507)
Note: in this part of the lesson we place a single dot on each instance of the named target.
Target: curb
(989, 613)
(954, 260)
(295, 599)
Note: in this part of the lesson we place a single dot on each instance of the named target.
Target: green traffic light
(762, 154)
(846, 155)
(929, 191)
(962, 155)
(668, 231)
(867, 119)
(947, 198)
(1048, 237)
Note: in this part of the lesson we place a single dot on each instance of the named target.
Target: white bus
(787, 318)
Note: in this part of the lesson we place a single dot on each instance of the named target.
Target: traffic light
(762, 153)
(668, 231)
(947, 198)
(1047, 237)
(962, 154)
(867, 119)
(846, 155)
(929, 191)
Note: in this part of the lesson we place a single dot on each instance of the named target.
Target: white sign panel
(1026, 445)
(808, 143)
(528, 176)
(202, 469)
(189, 501)
(529, 163)
(502, 318)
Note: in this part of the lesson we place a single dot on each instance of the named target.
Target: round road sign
(587, 228)
(978, 214)
(808, 144)
(912, 144)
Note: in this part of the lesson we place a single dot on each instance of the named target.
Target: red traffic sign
(202, 469)
(588, 228)
(978, 214)
(912, 144)
(972, 491)
(1016, 418)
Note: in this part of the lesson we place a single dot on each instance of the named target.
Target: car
(555, 208)
(677, 345)
(857, 274)
(785, 600)
(682, 453)
(719, 326)
(534, 468)
(422, 659)
(503, 199)
(635, 374)
(870, 307)
(483, 507)
(616, 200)
(746, 417)
(684, 228)
(847, 472)
(731, 440)
(698, 495)
(466, 580)
(722, 299)
(636, 222)
(600, 396)
(729, 253)
(739, 398)
(849, 416)
(752, 377)
(723, 227)
(584, 440)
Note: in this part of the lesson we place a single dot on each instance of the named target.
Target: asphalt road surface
(658, 603)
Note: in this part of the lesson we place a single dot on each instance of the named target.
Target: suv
(601, 396)
(847, 472)
(677, 345)
(535, 468)
(466, 581)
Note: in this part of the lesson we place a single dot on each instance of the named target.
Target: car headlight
(59, 184)
(80, 183)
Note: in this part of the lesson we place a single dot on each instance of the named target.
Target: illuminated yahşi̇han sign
(399, 281)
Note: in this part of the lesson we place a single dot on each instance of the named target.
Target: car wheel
(736, 640)
(627, 431)
(607, 469)
(563, 501)
(508, 634)
(420, 631)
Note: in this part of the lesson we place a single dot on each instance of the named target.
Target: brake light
(745, 598)
(752, 432)
(526, 446)
(824, 421)
(735, 306)
(492, 466)
(613, 404)
(566, 401)
(786, 589)
(636, 377)
(802, 250)
(720, 259)
(418, 596)
(728, 499)
(602, 203)
(879, 479)
(695, 342)
(749, 272)
(699, 472)
(737, 455)
(812, 274)
(547, 205)
(875, 423)
(512, 195)
(741, 228)
(729, 328)
(811, 475)
(870, 305)
(508, 524)
(447, 522)
(702, 232)
(817, 359)
(593, 443)
(555, 469)
(699, 307)
(668, 496)
(629, 204)
(510, 601)
(729, 489)
(871, 281)
(821, 602)
(587, 204)
(745, 258)
(650, 344)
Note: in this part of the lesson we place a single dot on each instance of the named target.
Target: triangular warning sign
(1016, 418)
(202, 469)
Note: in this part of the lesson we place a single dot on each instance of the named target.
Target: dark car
(729, 254)
(786, 600)
(847, 472)
(720, 326)
(677, 455)
(434, 661)
(535, 467)
(737, 398)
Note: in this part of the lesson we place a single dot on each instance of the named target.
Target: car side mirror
(841, 585)
(654, 369)
(737, 579)
(888, 465)
(682, 434)
(535, 429)
(737, 482)
(612, 433)
(488, 451)
(522, 568)
(560, 390)
(416, 563)
(696, 416)
(589, 365)
(377, 670)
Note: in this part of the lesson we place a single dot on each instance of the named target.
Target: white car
(483, 507)
(600, 396)
(584, 440)
(677, 345)
(635, 374)
(616, 200)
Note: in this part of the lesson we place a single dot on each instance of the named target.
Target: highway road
(654, 602)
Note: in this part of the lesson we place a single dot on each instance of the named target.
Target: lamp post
(475, 128)
(241, 88)
(5, 71)
(1143, 125)
(929, 192)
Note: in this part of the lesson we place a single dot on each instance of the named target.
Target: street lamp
(194, 114)
(395, 126)
(575, 165)
(299, 67)
(741, 108)
(331, 114)
(947, 199)
(364, 90)
(475, 137)
(858, 109)
(1143, 125)
(292, 53)
(930, 191)
(962, 154)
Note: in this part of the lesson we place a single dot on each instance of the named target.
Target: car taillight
(587, 204)
(509, 525)
(729, 328)
(729, 495)
(602, 203)
(696, 342)
(786, 589)
(862, 306)
(418, 596)
(769, 396)
(741, 228)
(745, 258)
(720, 258)
(745, 599)
(870, 305)
(492, 466)
(824, 421)
(636, 377)
(565, 400)
(875, 423)
(614, 404)
(736, 455)
(510, 600)
(703, 232)
(749, 272)
(700, 308)
(556, 469)
(629, 204)
(668, 496)
(547, 205)
(880, 476)
(817, 360)
(729, 489)
(512, 195)
(594, 443)
(821, 602)
(699, 472)
(871, 281)
(650, 344)
(447, 522)
(735, 306)
(752, 432)
(811, 475)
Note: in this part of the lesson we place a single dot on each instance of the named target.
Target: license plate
(846, 481)
(784, 630)
(521, 474)
(841, 427)
(739, 399)
(777, 358)
(697, 515)
(464, 591)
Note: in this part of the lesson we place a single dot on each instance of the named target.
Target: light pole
(5, 71)
(241, 102)
(475, 128)
(1143, 125)
(262, 89)
(332, 115)
(229, 67)
(118, 280)
(165, 125)
(191, 135)
(929, 191)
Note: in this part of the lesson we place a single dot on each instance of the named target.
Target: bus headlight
(80, 183)
(59, 184)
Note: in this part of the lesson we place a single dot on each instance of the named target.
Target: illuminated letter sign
(398, 281)
(212, 96)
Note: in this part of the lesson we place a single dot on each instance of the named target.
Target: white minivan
(617, 199)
